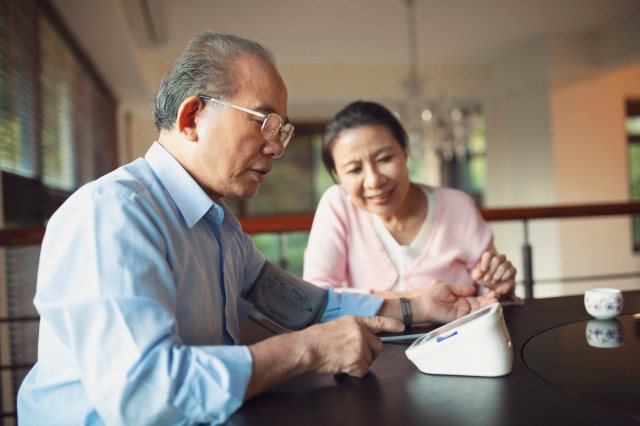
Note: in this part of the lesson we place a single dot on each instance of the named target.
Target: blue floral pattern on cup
(603, 303)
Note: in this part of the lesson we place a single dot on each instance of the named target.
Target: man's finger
(374, 345)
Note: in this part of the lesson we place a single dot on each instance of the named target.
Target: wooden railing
(302, 223)
(296, 223)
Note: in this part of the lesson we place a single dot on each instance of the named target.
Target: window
(633, 132)
(294, 186)
(57, 119)
(57, 131)
(462, 167)
(18, 87)
(468, 172)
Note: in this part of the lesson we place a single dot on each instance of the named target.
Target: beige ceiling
(132, 55)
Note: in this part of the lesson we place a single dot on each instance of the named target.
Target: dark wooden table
(547, 334)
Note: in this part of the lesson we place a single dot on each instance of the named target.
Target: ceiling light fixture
(434, 127)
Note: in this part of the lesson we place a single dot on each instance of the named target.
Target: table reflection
(604, 333)
(602, 368)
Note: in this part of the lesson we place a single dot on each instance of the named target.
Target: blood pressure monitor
(477, 344)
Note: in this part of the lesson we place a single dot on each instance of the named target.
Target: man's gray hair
(205, 67)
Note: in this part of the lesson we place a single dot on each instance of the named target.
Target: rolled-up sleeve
(343, 303)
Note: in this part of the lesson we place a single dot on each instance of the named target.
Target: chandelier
(435, 127)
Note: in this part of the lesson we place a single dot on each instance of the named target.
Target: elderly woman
(380, 233)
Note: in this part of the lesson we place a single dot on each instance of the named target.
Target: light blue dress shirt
(136, 325)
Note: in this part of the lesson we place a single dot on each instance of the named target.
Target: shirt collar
(191, 200)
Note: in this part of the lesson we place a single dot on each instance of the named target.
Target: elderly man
(145, 275)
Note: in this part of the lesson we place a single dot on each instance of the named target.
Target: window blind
(57, 132)
(18, 87)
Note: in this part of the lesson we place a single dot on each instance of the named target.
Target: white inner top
(402, 255)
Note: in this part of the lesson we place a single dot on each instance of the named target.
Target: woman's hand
(496, 272)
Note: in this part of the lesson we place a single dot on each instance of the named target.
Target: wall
(317, 92)
(590, 159)
(136, 132)
(555, 136)
(520, 158)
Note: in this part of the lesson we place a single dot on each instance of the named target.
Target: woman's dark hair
(357, 114)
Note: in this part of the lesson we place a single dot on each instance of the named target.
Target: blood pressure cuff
(286, 300)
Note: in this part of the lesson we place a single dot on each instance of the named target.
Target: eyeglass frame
(284, 128)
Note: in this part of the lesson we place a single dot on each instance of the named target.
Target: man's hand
(496, 272)
(442, 302)
(346, 345)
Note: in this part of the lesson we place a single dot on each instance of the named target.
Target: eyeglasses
(271, 125)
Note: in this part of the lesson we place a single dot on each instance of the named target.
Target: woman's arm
(327, 252)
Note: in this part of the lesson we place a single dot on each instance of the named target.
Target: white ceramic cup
(603, 303)
(604, 333)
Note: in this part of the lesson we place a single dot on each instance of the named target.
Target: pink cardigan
(344, 250)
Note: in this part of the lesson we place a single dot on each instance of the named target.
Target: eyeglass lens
(272, 125)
